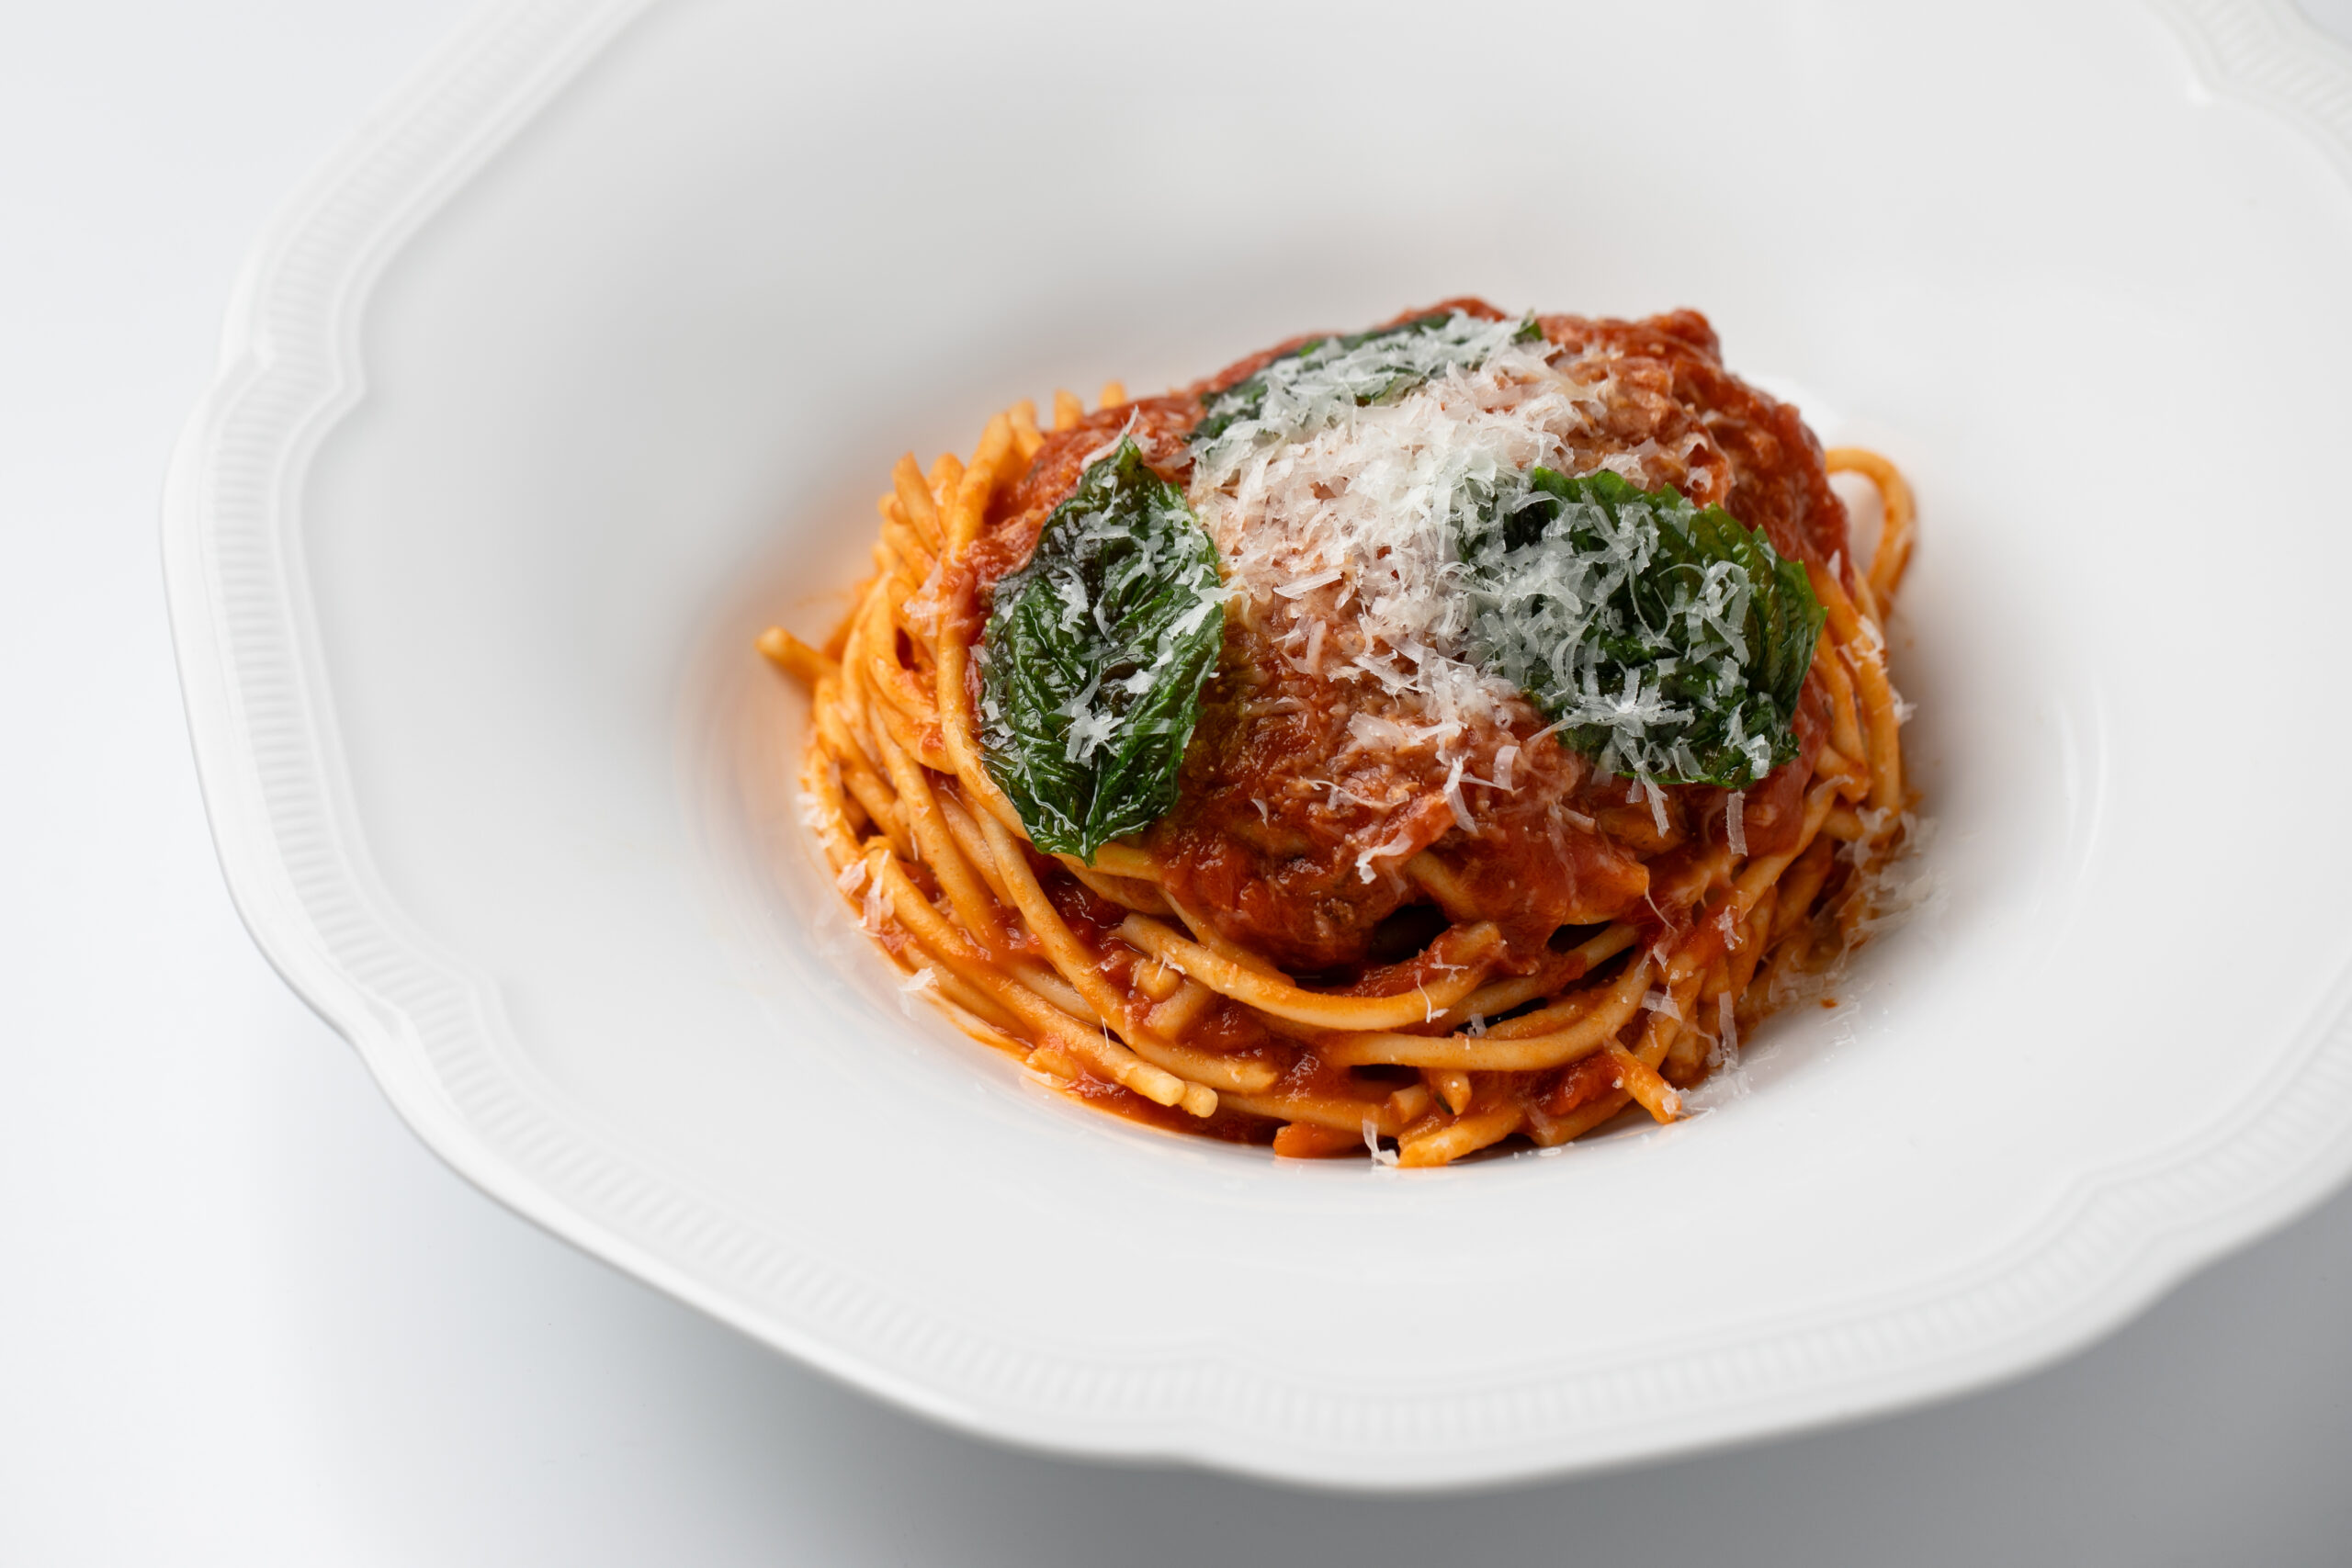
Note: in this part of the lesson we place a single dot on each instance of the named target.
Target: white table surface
(245, 1318)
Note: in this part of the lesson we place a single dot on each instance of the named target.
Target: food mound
(1396, 743)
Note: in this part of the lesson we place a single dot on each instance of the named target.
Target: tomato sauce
(1292, 837)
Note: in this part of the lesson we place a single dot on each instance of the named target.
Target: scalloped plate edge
(270, 766)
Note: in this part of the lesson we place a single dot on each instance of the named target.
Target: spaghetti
(1378, 904)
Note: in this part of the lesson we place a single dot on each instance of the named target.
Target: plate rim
(269, 764)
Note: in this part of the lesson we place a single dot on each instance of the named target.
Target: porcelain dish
(587, 359)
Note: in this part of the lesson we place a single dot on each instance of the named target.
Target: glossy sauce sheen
(1277, 806)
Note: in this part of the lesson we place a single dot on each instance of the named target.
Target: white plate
(589, 357)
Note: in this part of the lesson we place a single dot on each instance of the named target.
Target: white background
(245, 1318)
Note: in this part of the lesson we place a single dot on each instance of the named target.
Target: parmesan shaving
(1111, 446)
(1899, 888)
(922, 981)
(922, 610)
(1396, 843)
(1340, 793)
(1736, 822)
(1320, 504)
(1306, 585)
(1461, 818)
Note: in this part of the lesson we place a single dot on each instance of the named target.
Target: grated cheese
(1452, 791)
(1329, 383)
(922, 610)
(921, 981)
(1308, 584)
(1339, 509)
(1339, 793)
(1396, 843)
(1321, 504)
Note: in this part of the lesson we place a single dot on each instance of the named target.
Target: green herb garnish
(1670, 641)
(1094, 655)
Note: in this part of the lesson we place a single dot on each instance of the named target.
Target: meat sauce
(1290, 836)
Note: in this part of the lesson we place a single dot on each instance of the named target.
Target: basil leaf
(1672, 641)
(1093, 657)
(1354, 371)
